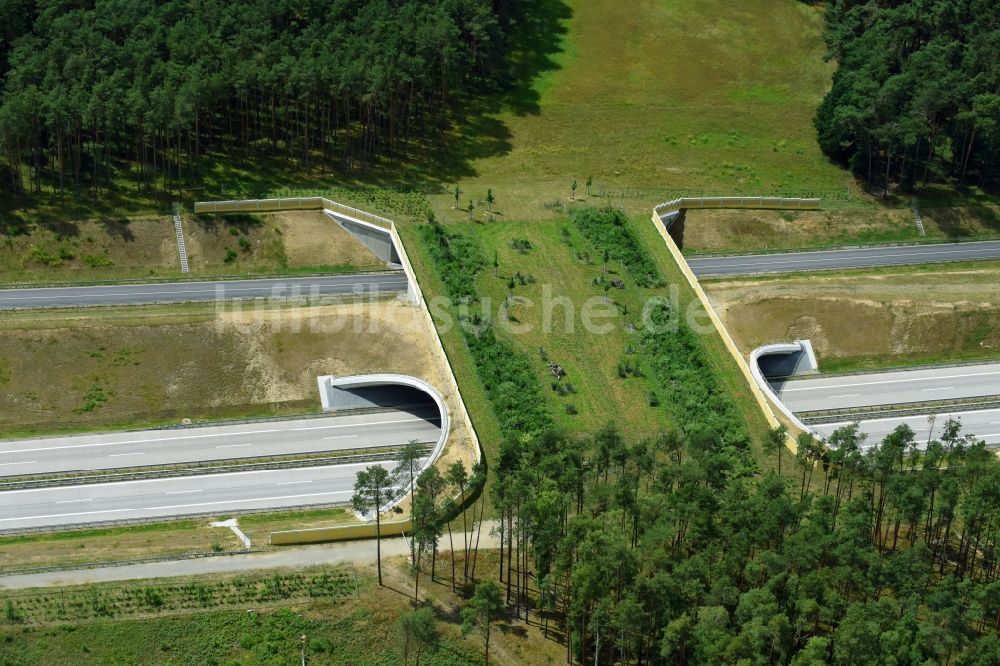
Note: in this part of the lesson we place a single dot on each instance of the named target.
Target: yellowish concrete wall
(340, 533)
(734, 351)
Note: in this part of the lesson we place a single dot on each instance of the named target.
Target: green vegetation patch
(610, 231)
(113, 601)
(458, 259)
(506, 375)
(255, 635)
(691, 392)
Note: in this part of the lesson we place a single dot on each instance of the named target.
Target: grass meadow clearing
(658, 98)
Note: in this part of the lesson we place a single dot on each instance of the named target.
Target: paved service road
(846, 258)
(882, 388)
(338, 552)
(223, 442)
(183, 292)
(984, 424)
(159, 498)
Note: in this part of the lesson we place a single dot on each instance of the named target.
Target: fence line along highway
(181, 279)
(898, 409)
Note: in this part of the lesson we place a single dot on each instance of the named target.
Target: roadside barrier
(746, 203)
(200, 468)
(662, 216)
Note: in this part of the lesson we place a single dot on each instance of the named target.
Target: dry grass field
(98, 368)
(273, 243)
(167, 539)
(870, 318)
(658, 98)
(115, 249)
(711, 231)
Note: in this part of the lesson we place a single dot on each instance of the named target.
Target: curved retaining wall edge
(765, 386)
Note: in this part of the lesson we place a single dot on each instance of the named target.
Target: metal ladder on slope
(916, 216)
(180, 238)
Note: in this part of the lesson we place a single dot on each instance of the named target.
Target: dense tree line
(665, 551)
(100, 88)
(916, 94)
(678, 549)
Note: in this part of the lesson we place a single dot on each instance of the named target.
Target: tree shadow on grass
(537, 40)
(442, 155)
(118, 227)
(60, 226)
(961, 222)
(476, 131)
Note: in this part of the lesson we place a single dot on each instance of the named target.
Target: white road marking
(292, 483)
(26, 462)
(227, 288)
(75, 501)
(218, 434)
(891, 381)
(119, 455)
(175, 506)
(857, 255)
(145, 441)
(943, 388)
(185, 492)
(232, 446)
(119, 484)
(848, 395)
(342, 437)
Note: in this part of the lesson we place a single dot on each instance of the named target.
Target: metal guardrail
(899, 409)
(896, 368)
(709, 254)
(201, 468)
(186, 279)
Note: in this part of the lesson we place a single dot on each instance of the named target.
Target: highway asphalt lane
(881, 388)
(215, 494)
(984, 424)
(222, 442)
(846, 258)
(184, 292)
